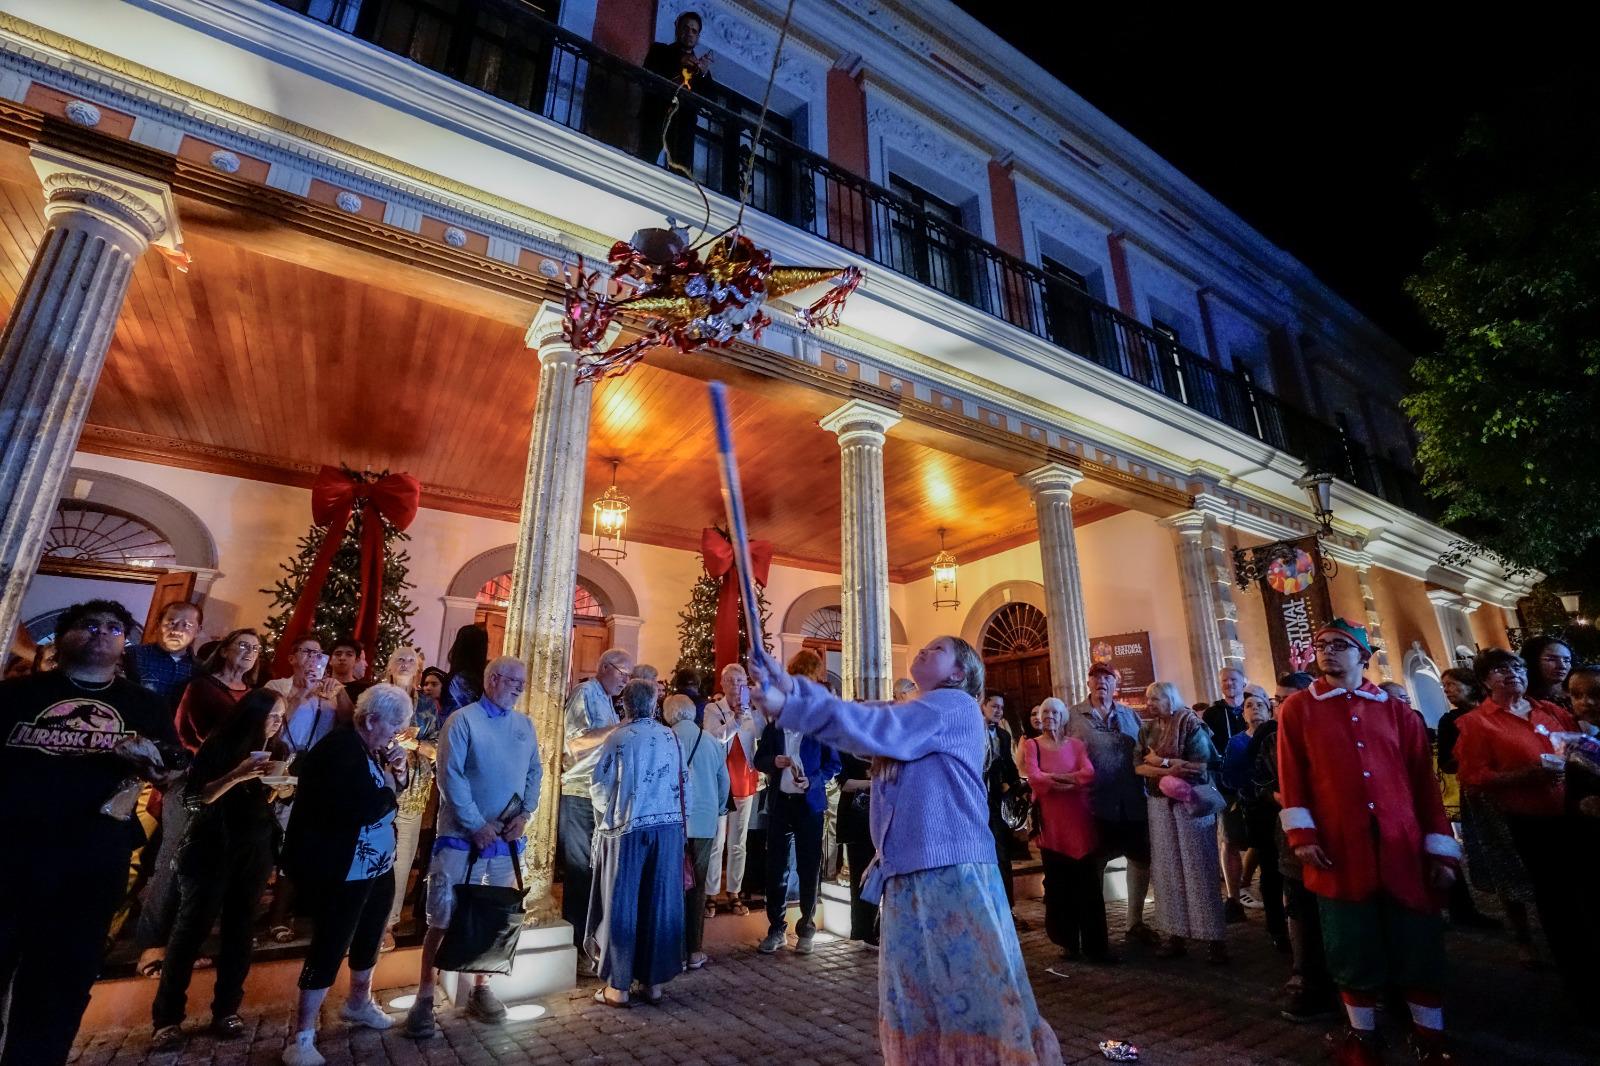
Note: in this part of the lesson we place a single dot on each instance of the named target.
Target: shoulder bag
(485, 925)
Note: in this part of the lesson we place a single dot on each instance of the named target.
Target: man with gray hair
(591, 715)
(729, 719)
(489, 774)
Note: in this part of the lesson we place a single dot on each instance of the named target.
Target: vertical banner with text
(1296, 596)
(1129, 654)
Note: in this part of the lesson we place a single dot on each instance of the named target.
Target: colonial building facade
(244, 238)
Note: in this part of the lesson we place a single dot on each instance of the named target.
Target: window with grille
(91, 533)
(1016, 629)
(825, 623)
(496, 592)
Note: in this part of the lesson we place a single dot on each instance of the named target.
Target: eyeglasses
(511, 680)
(1510, 668)
(247, 646)
(94, 629)
(1333, 646)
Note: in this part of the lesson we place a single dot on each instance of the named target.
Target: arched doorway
(823, 633)
(605, 608)
(1016, 659)
(589, 631)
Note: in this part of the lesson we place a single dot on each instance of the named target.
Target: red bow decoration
(717, 551)
(334, 496)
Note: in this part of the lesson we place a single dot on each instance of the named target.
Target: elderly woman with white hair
(340, 852)
(640, 792)
(420, 740)
(1058, 769)
(1184, 864)
(952, 985)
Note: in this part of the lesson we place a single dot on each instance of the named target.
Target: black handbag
(484, 926)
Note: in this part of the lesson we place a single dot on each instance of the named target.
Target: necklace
(92, 688)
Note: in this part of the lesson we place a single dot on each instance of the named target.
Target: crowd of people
(180, 783)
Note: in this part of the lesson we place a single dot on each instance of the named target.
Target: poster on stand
(1129, 655)
(1295, 593)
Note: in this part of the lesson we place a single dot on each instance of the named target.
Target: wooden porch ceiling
(275, 355)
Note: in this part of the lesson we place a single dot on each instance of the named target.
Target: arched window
(92, 533)
(496, 592)
(1016, 629)
(825, 623)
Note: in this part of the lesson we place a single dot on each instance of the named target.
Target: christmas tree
(336, 612)
(697, 628)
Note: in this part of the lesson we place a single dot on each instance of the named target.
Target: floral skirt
(952, 987)
(1185, 872)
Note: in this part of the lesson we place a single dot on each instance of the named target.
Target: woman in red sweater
(1058, 770)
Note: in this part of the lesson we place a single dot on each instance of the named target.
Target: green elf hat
(1349, 630)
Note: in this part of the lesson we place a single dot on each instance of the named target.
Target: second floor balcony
(508, 49)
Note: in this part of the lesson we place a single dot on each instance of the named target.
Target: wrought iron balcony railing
(507, 49)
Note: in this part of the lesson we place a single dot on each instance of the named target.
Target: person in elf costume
(1361, 809)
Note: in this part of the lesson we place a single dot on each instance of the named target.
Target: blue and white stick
(733, 499)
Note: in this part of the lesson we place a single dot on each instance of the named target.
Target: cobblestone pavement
(821, 1010)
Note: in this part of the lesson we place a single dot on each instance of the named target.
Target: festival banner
(1129, 655)
(1296, 596)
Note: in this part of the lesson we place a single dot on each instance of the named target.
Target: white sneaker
(302, 1051)
(1249, 902)
(367, 1014)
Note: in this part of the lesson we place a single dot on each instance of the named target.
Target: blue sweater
(932, 809)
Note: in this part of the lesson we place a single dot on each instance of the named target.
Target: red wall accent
(1120, 274)
(847, 122)
(625, 27)
(1007, 216)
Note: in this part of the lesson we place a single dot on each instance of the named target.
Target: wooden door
(588, 644)
(174, 586)
(1024, 681)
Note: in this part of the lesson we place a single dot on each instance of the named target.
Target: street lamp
(1318, 488)
(1249, 565)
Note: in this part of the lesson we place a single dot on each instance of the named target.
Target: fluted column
(98, 221)
(545, 574)
(864, 543)
(1051, 487)
(1369, 603)
(1208, 606)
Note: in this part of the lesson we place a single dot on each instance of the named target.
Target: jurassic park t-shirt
(56, 741)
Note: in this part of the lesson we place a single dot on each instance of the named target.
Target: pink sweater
(1068, 824)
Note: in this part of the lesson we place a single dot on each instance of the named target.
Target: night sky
(1311, 132)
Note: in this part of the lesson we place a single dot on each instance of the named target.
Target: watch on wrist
(1166, 764)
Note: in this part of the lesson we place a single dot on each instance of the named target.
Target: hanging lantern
(610, 527)
(944, 578)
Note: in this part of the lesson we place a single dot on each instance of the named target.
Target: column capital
(1458, 600)
(1186, 523)
(857, 417)
(546, 334)
(1051, 479)
(139, 206)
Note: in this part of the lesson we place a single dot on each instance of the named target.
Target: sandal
(152, 968)
(711, 909)
(739, 908)
(698, 960)
(605, 1000)
(282, 934)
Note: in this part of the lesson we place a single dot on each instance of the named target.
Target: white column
(864, 554)
(1208, 608)
(545, 574)
(99, 220)
(1380, 654)
(1051, 487)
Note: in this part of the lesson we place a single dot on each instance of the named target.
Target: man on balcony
(676, 61)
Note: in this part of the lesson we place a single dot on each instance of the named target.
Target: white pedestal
(834, 905)
(546, 963)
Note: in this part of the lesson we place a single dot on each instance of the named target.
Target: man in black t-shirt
(74, 745)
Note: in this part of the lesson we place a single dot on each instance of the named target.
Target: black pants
(1305, 937)
(1261, 824)
(347, 918)
(1002, 855)
(790, 818)
(230, 891)
(55, 909)
(1544, 845)
(1074, 909)
(574, 839)
(858, 855)
(694, 899)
